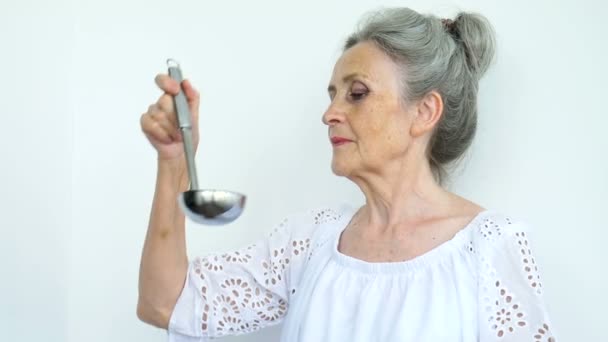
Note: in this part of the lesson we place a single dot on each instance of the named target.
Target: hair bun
(477, 35)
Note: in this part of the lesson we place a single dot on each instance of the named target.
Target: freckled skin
(378, 123)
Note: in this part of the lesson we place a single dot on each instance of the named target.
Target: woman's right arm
(164, 261)
(218, 294)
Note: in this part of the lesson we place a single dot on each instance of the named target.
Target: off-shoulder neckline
(432, 256)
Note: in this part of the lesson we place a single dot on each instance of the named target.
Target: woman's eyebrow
(345, 79)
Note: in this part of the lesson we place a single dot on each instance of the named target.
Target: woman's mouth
(337, 141)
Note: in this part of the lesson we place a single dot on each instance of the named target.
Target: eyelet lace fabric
(251, 288)
(248, 289)
(511, 299)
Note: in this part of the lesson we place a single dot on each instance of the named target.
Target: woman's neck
(403, 198)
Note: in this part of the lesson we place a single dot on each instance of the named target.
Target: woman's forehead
(366, 61)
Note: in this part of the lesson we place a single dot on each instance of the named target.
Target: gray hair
(448, 57)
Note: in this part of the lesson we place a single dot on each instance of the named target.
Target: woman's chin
(339, 169)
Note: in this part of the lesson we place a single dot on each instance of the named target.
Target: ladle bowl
(212, 207)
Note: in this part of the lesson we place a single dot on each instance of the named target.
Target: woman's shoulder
(324, 217)
(504, 247)
(493, 228)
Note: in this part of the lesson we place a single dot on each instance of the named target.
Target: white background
(78, 175)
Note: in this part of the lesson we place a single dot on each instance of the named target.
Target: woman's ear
(427, 114)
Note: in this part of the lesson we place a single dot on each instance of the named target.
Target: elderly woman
(414, 263)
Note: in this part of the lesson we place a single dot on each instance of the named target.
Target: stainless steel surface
(189, 152)
(181, 103)
(210, 207)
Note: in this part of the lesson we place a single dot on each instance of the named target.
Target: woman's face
(366, 108)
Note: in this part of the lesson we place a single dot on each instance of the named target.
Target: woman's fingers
(160, 125)
(166, 104)
(166, 120)
(154, 130)
(192, 95)
(171, 87)
(160, 122)
(167, 84)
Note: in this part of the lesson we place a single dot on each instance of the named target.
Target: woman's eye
(357, 95)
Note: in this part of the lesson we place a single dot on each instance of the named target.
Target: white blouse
(482, 285)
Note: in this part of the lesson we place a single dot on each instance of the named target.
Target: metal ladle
(210, 207)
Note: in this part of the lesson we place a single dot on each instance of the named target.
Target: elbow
(153, 316)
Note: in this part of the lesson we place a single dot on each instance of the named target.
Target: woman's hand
(159, 123)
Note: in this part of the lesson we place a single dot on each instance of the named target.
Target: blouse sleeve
(511, 306)
(242, 291)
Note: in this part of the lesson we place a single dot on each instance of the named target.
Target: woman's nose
(332, 115)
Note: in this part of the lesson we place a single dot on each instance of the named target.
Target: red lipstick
(337, 141)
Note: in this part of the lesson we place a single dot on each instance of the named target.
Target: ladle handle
(183, 119)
